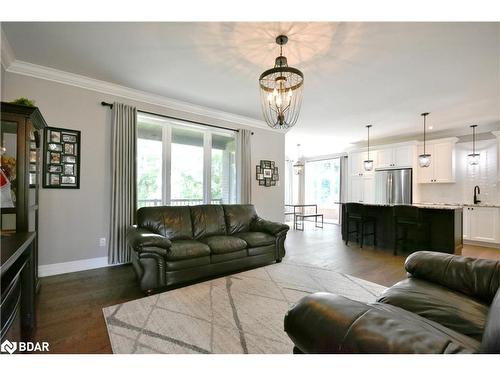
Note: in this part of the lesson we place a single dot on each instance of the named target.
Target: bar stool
(356, 212)
(409, 219)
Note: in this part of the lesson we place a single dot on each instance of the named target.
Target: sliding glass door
(179, 164)
(322, 187)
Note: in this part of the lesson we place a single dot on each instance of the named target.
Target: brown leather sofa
(175, 245)
(448, 304)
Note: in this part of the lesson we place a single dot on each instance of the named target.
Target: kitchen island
(445, 226)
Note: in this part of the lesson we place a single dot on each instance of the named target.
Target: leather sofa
(448, 304)
(175, 245)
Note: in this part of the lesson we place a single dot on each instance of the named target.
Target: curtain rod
(110, 105)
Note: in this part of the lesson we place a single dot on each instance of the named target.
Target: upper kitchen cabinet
(497, 133)
(356, 165)
(395, 156)
(442, 168)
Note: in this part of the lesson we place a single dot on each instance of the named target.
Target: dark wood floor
(69, 306)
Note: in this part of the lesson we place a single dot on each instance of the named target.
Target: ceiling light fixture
(281, 91)
(474, 157)
(298, 167)
(368, 163)
(424, 160)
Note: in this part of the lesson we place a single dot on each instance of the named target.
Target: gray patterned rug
(241, 313)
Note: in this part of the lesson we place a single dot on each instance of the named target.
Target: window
(180, 164)
(322, 187)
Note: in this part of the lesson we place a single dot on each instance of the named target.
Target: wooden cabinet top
(31, 112)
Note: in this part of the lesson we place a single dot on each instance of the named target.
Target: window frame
(167, 126)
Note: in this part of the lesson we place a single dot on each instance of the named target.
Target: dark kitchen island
(445, 223)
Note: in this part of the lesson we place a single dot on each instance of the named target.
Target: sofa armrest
(142, 240)
(478, 278)
(329, 323)
(271, 227)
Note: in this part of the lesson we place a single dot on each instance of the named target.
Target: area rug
(240, 313)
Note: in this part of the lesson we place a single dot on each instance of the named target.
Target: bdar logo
(8, 347)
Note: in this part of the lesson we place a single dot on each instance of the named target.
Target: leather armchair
(448, 304)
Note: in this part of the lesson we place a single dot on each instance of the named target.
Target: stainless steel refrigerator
(393, 186)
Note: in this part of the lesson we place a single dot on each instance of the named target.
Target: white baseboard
(483, 244)
(75, 266)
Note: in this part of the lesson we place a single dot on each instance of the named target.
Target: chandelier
(474, 157)
(281, 91)
(424, 160)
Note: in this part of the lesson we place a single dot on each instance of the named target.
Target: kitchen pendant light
(424, 160)
(298, 167)
(474, 157)
(281, 91)
(368, 163)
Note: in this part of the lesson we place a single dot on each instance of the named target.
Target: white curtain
(123, 180)
(244, 166)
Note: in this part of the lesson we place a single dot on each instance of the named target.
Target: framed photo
(55, 168)
(62, 158)
(268, 173)
(69, 148)
(54, 136)
(258, 169)
(69, 159)
(32, 167)
(68, 180)
(32, 145)
(55, 179)
(69, 138)
(69, 169)
(268, 181)
(55, 147)
(262, 182)
(55, 157)
(273, 183)
(272, 165)
(260, 176)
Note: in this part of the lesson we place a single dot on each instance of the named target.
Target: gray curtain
(123, 180)
(244, 172)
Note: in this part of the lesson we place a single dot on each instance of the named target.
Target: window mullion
(207, 167)
(167, 164)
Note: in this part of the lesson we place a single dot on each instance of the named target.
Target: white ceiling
(355, 73)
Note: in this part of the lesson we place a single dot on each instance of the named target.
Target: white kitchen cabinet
(442, 167)
(395, 157)
(362, 189)
(481, 224)
(356, 163)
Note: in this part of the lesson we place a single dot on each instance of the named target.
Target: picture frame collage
(33, 164)
(267, 173)
(62, 158)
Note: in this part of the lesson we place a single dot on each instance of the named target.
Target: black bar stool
(409, 219)
(356, 213)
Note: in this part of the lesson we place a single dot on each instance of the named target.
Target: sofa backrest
(171, 222)
(491, 335)
(239, 217)
(208, 220)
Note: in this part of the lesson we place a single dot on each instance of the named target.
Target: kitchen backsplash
(467, 176)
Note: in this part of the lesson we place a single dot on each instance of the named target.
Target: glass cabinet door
(8, 174)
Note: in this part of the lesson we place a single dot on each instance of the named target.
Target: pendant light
(298, 167)
(424, 160)
(474, 157)
(368, 163)
(281, 91)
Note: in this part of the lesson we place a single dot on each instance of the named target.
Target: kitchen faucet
(476, 191)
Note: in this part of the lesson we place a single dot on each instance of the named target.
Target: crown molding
(7, 55)
(77, 80)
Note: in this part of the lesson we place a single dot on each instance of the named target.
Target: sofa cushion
(491, 335)
(224, 244)
(269, 249)
(239, 217)
(208, 220)
(454, 310)
(218, 258)
(186, 249)
(255, 239)
(171, 222)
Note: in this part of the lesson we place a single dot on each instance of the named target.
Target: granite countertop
(419, 205)
(458, 205)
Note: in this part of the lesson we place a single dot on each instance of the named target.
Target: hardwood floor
(69, 306)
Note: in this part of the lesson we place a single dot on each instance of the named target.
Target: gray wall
(72, 221)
